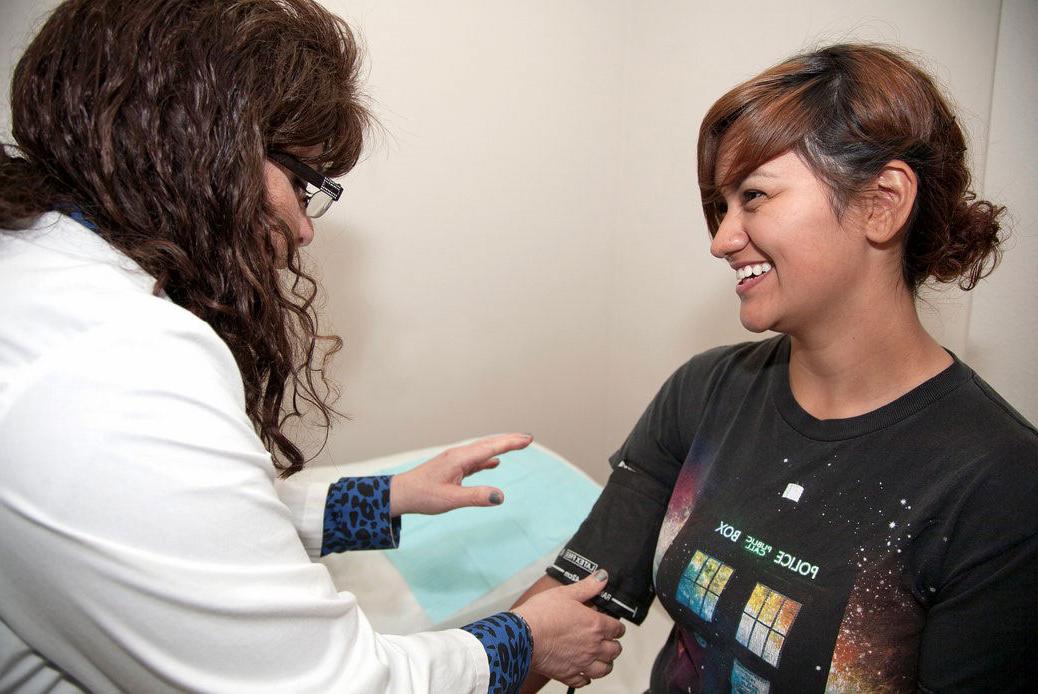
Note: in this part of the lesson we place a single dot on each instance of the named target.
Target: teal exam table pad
(453, 559)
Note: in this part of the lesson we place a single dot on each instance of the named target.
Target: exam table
(457, 567)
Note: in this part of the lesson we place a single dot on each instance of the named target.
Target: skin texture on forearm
(535, 681)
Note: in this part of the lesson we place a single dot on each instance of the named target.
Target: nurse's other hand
(572, 643)
(435, 485)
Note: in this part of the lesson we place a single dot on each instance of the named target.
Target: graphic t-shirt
(894, 551)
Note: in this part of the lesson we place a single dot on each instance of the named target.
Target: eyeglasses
(314, 202)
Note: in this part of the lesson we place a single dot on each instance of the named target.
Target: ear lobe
(889, 201)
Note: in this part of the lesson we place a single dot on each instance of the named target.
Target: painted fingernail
(495, 498)
(601, 575)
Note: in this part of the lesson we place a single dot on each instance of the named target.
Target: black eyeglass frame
(323, 184)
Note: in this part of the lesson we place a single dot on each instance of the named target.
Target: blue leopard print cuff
(356, 516)
(507, 641)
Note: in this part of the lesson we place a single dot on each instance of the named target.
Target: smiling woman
(846, 507)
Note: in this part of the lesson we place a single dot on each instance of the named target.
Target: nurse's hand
(435, 485)
(572, 643)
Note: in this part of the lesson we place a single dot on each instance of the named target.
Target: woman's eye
(750, 195)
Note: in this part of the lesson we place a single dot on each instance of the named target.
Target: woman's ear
(889, 201)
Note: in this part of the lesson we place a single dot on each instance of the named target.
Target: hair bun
(974, 243)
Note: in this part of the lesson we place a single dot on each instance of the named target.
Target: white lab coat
(143, 545)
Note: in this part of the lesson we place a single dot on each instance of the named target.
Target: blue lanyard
(77, 214)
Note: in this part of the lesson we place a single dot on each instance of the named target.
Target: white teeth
(754, 270)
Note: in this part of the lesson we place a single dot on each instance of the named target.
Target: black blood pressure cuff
(619, 535)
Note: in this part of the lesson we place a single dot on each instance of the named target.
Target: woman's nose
(729, 237)
(306, 231)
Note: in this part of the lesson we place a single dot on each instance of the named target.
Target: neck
(857, 366)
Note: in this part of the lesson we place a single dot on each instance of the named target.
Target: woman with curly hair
(170, 156)
(846, 506)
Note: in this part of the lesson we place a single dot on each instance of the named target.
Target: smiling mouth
(750, 271)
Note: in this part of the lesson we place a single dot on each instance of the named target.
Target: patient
(846, 506)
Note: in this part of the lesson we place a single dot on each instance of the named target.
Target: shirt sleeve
(356, 516)
(506, 639)
(620, 533)
(981, 631)
(145, 548)
(351, 513)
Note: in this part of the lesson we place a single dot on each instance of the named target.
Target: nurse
(157, 331)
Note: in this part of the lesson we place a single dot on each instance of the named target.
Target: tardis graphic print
(702, 584)
(776, 594)
(766, 621)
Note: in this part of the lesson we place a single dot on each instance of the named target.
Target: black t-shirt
(893, 551)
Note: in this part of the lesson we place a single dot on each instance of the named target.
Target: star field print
(682, 501)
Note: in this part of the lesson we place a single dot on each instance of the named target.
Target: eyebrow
(763, 173)
(756, 173)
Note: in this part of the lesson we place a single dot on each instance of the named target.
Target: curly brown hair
(847, 110)
(154, 118)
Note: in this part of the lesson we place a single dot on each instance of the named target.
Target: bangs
(750, 125)
(320, 103)
(340, 132)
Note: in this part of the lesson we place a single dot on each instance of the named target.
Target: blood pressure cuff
(619, 535)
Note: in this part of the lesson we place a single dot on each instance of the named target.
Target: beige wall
(1003, 324)
(470, 267)
(523, 249)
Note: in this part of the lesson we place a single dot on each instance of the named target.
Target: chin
(755, 324)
